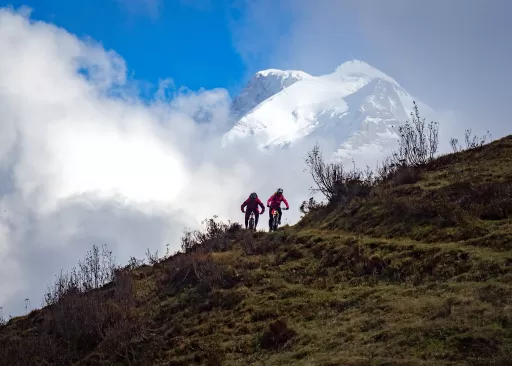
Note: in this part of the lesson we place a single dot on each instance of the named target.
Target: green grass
(415, 274)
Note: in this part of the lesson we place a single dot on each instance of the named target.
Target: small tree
(418, 141)
(333, 181)
(96, 270)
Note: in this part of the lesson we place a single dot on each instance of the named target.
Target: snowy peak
(355, 106)
(263, 85)
(360, 69)
(287, 76)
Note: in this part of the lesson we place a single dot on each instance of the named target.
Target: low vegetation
(410, 265)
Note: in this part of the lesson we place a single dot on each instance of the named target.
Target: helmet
(279, 190)
(253, 195)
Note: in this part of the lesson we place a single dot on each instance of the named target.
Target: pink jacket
(276, 199)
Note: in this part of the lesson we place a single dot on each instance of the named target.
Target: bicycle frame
(275, 216)
(251, 221)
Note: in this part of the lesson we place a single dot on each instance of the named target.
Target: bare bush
(333, 181)
(152, 257)
(197, 269)
(473, 141)
(93, 306)
(309, 206)
(214, 237)
(406, 175)
(397, 174)
(385, 169)
(96, 270)
(77, 324)
(134, 263)
(418, 141)
(455, 145)
(83, 321)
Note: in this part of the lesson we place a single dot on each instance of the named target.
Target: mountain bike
(275, 218)
(251, 221)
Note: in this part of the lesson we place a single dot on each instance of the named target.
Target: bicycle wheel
(251, 222)
(274, 220)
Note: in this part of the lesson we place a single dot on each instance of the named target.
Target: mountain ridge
(261, 86)
(307, 105)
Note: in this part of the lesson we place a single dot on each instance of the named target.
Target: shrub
(215, 237)
(278, 335)
(154, 258)
(198, 269)
(472, 141)
(418, 141)
(406, 175)
(96, 270)
(309, 206)
(385, 169)
(134, 263)
(79, 320)
(334, 182)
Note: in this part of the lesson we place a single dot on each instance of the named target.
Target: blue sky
(452, 55)
(190, 44)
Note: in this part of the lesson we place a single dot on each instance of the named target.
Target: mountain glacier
(357, 108)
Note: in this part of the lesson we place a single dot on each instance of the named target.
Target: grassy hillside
(418, 272)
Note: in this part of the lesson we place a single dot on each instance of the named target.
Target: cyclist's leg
(270, 218)
(280, 214)
(256, 218)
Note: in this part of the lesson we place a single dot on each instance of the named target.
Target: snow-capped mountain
(263, 85)
(356, 106)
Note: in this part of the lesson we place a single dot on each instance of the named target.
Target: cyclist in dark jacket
(252, 204)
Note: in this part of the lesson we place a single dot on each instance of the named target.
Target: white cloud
(83, 160)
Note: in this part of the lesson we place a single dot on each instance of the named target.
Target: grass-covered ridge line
(415, 271)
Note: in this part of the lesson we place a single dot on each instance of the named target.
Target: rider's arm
(243, 205)
(269, 200)
(286, 203)
(261, 205)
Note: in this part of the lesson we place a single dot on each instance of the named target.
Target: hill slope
(417, 273)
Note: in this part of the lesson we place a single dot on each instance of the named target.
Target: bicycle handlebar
(284, 208)
(252, 212)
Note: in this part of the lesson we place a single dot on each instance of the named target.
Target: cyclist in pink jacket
(275, 202)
